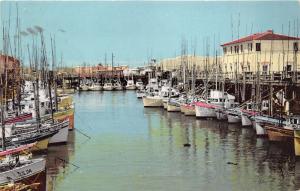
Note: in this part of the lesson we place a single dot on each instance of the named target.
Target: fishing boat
(262, 122)
(117, 86)
(233, 115)
(217, 99)
(20, 169)
(247, 113)
(16, 167)
(189, 109)
(140, 93)
(42, 139)
(95, 87)
(152, 100)
(139, 85)
(173, 105)
(66, 114)
(84, 87)
(130, 85)
(108, 86)
(18, 118)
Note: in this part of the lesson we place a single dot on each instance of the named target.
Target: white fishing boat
(152, 100)
(130, 85)
(95, 87)
(20, 169)
(247, 113)
(117, 86)
(140, 93)
(139, 85)
(84, 87)
(233, 115)
(108, 86)
(217, 99)
(173, 105)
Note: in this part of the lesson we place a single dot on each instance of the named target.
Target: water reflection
(58, 159)
(141, 148)
(229, 153)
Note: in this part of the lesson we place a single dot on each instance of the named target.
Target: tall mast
(112, 65)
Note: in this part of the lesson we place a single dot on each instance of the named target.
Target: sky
(136, 31)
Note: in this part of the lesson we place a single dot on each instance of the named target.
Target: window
(250, 47)
(265, 68)
(231, 49)
(241, 48)
(258, 47)
(236, 49)
(225, 50)
(296, 46)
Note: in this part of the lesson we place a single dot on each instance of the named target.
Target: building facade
(10, 74)
(267, 53)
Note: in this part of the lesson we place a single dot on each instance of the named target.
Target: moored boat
(130, 85)
(108, 86)
(233, 115)
(152, 101)
(173, 105)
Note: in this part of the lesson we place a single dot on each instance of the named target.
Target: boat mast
(112, 65)
(2, 90)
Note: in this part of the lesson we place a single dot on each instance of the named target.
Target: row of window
(239, 48)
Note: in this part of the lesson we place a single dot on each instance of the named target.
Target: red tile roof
(268, 35)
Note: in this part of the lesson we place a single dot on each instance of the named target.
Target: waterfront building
(10, 69)
(268, 53)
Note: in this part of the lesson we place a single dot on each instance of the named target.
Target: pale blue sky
(135, 31)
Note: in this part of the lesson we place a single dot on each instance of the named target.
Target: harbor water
(120, 145)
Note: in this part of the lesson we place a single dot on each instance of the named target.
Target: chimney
(270, 31)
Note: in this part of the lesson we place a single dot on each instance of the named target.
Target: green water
(136, 148)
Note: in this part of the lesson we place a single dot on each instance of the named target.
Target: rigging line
(76, 129)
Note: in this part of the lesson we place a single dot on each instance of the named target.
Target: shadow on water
(58, 161)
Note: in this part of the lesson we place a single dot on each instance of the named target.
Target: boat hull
(173, 108)
(279, 134)
(25, 173)
(232, 118)
(97, 88)
(130, 88)
(108, 88)
(41, 145)
(190, 112)
(183, 108)
(60, 137)
(245, 120)
(66, 115)
(152, 102)
(297, 142)
(260, 131)
(203, 112)
(84, 88)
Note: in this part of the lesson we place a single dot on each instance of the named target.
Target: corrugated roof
(268, 35)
